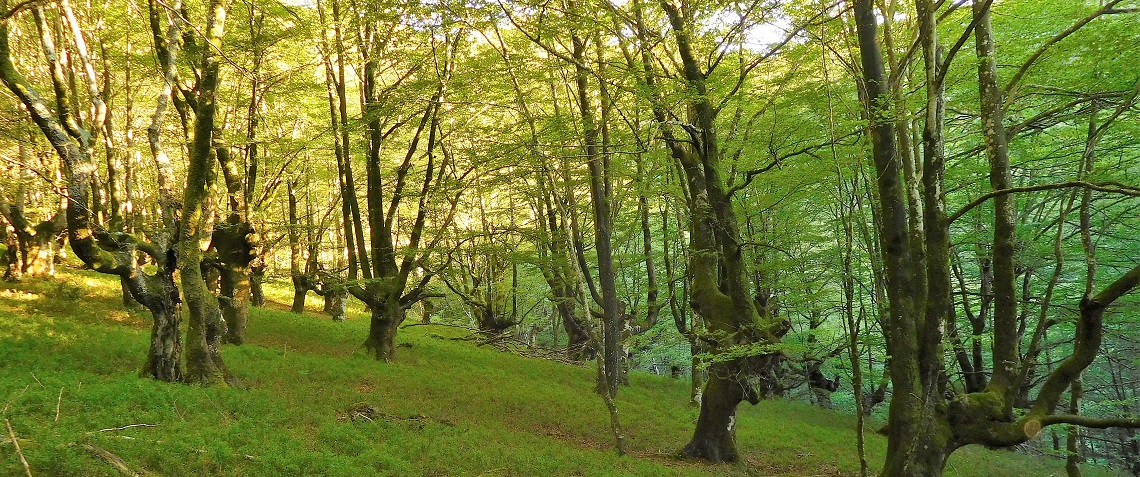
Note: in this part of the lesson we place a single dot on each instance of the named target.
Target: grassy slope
(446, 408)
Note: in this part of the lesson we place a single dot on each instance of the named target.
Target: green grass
(443, 408)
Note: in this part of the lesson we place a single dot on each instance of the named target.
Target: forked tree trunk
(205, 324)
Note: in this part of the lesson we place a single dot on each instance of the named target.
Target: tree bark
(386, 319)
(164, 361)
(599, 199)
(110, 253)
(715, 436)
(206, 326)
(234, 301)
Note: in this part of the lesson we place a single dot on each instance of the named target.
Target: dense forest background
(918, 212)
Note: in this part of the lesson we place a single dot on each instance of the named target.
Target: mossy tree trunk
(715, 436)
(720, 287)
(928, 420)
(164, 361)
(110, 252)
(385, 321)
(235, 243)
(385, 288)
(206, 325)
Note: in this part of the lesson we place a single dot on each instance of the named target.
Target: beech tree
(104, 250)
(930, 417)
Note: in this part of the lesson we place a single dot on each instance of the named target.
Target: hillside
(310, 402)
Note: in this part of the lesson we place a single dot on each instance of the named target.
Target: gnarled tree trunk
(206, 326)
(386, 318)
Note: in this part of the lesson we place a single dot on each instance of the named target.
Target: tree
(928, 417)
(206, 326)
(106, 251)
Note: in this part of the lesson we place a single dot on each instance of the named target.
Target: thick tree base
(164, 363)
(927, 463)
(918, 454)
(382, 332)
(234, 302)
(715, 437)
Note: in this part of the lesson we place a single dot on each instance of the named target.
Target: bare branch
(20, 7)
(1053, 41)
(16, 444)
(1113, 187)
(1093, 422)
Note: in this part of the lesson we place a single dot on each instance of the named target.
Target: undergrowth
(309, 401)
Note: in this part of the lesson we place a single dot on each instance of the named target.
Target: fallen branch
(508, 343)
(112, 459)
(16, 444)
(58, 401)
(113, 429)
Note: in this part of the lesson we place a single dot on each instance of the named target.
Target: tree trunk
(696, 382)
(300, 290)
(129, 301)
(429, 309)
(204, 331)
(386, 318)
(577, 340)
(206, 325)
(920, 455)
(234, 301)
(164, 362)
(336, 302)
(715, 436)
(256, 292)
(297, 263)
(1072, 443)
(10, 257)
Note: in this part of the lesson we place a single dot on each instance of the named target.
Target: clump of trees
(924, 203)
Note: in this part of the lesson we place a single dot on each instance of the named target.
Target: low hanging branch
(1111, 187)
(1091, 422)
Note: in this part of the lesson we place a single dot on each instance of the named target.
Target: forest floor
(309, 401)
